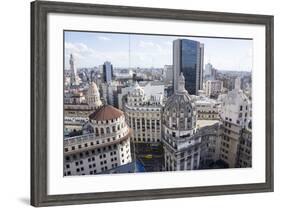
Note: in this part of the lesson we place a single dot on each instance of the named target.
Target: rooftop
(106, 112)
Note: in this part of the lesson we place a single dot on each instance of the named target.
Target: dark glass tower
(188, 56)
(107, 72)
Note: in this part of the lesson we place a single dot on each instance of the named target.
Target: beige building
(207, 109)
(235, 115)
(104, 144)
(143, 115)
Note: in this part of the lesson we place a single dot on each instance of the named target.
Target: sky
(130, 50)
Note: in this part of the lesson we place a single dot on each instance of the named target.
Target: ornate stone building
(104, 144)
(181, 142)
(235, 115)
(143, 115)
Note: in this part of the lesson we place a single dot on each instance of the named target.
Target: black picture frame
(39, 12)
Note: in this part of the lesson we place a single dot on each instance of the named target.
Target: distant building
(93, 96)
(104, 144)
(213, 88)
(168, 73)
(78, 107)
(110, 93)
(210, 73)
(188, 57)
(74, 78)
(207, 109)
(107, 72)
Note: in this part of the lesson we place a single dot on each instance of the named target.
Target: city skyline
(94, 48)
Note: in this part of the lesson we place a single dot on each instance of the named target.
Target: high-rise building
(107, 72)
(188, 56)
(74, 79)
(168, 73)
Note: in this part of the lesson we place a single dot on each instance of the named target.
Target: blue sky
(93, 49)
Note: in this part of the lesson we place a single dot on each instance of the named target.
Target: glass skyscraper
(107, 72)
(188, 56)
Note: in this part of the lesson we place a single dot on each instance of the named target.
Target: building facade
(188, 57)
(103, 145)
(180, 141)
(107, 70)
(245, 147)
(235, 115)
(207, 109)
(74, 79)
(78, 107)
(143, 115)
(213, 88)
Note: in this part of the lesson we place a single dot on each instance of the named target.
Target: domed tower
(181, 142)
(93, 96)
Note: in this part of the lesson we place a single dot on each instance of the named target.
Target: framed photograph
(132, 103)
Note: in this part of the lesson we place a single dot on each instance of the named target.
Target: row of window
(85, 145)
(93, 152)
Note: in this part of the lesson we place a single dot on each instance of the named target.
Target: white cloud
(150, 45)
(103, 38)
(86, 56)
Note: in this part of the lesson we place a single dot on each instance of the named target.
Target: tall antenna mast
(129, 52)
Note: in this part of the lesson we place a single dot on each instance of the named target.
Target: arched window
(97, 132)
(107, 130)
(101, 131)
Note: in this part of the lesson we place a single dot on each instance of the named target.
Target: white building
(74, 79)
(168, 73)
(207, 109)
(104, 144)
(93, 96)
(143, 114)
(213, 88)
(235, 114)
(109, 93)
